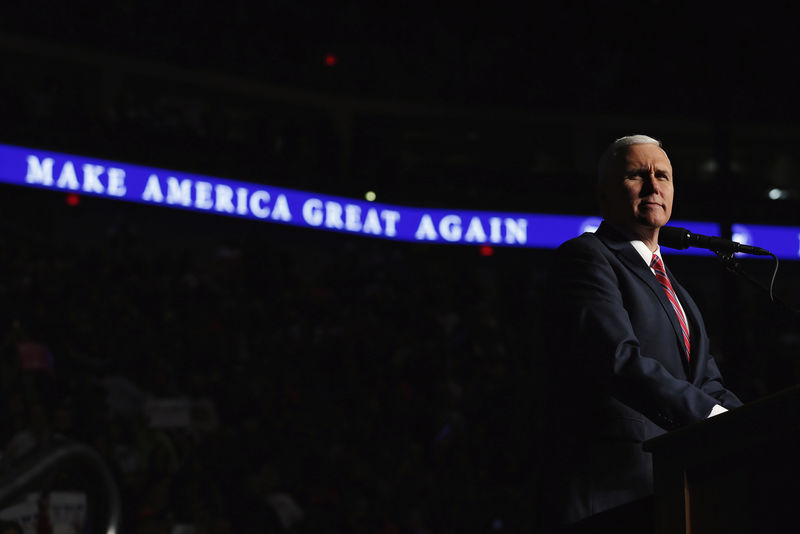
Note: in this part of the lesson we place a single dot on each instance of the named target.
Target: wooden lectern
(736, 472)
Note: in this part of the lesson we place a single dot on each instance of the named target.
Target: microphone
(681, 238)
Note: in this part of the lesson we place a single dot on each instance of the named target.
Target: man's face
(638, 192)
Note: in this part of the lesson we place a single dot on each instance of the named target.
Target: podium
(736, 472)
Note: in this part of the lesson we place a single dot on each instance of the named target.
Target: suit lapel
(621, 246)
(692, 317)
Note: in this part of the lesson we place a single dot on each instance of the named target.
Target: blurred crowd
(357, 385)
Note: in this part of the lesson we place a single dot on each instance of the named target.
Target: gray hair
(614, 148)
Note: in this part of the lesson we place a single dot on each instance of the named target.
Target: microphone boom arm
(728, 259)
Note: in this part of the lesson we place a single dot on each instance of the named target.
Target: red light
(331, 60)
(486, 250)
(73, 199)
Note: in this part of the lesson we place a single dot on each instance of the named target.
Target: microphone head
(673, 237)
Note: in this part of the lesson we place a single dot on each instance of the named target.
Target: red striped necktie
(661, 274)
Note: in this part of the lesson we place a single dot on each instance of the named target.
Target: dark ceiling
(649, 56)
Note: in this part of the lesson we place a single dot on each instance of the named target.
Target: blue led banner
(783, 241)
(134, 183)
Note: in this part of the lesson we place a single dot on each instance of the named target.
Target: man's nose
(650, 184)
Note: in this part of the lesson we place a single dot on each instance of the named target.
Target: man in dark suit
(628, 354)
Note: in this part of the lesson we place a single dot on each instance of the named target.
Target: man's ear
(600, 192)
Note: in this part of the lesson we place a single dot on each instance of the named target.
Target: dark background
(385, 387)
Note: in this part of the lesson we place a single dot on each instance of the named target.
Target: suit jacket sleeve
(712, 384)
(598, 312)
